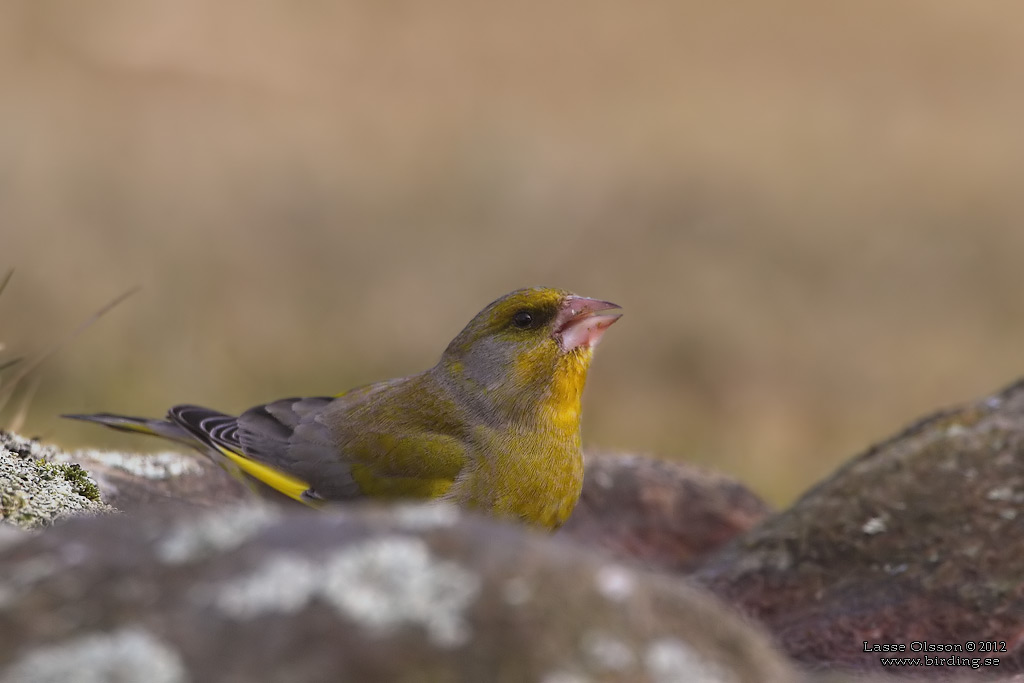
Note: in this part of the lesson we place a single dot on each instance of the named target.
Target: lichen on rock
(34, 492)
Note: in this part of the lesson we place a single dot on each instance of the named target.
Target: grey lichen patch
(614, 582)
(604, 479)
(1004, 494)
(214, 533)
(129, 654)
(28, 448)
(386, 582)
(381, 584)
(670, 660)
(424, 516)
(875, 525)
(164, 465)
(993, 402)
(605, 652)
(283, 584)
(34, 492)
(956, 429)
(774, 559)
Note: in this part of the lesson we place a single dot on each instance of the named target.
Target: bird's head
(529, 351)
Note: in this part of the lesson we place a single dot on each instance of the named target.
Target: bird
(494, 426)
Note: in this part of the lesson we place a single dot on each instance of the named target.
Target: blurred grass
(810, 212)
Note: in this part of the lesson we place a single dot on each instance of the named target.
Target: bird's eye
(523, 320)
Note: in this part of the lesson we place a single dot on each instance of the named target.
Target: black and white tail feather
(252, 446)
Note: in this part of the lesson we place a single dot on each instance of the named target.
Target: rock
(918, 539)
(405, 593)
(134, 481)
(35, 492)
(638, 509)
(664, 515)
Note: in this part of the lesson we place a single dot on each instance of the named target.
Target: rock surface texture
(659, 514)
(137, 481)
(37, 490)
(918, 540)
(409, 593)
(910, 550)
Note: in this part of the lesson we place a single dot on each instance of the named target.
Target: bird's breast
(532, 479)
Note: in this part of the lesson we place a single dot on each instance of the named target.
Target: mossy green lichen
(34, 491)
(79, 478)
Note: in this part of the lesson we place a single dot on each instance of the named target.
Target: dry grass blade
(10, 363)
(13, 361)
(18, 421)
(8, 388)
(7, 278)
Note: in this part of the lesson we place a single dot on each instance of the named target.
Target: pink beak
(577, 325)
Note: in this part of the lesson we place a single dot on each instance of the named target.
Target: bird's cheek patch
(585, 332)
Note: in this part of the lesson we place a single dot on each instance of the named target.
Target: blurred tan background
(811, 212)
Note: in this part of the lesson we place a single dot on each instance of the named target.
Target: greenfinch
(494, 426)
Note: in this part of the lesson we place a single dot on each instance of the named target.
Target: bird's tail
(261, 480)
(143, 425)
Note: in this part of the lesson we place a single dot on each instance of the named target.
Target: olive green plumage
(494, 426)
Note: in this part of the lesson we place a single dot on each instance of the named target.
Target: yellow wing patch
(275, 479)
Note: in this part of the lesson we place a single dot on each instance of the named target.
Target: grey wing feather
(286, 435)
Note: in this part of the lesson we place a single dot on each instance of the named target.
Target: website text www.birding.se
(946, 655)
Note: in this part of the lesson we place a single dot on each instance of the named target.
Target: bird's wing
(287, 436)
(221, 435)
(424, 464)
(291, 447)
(404, 438)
